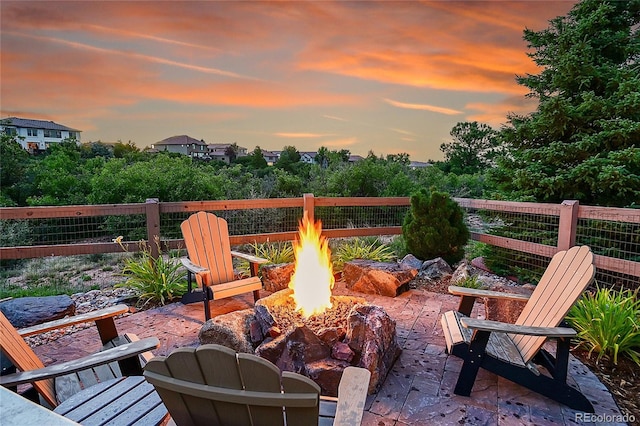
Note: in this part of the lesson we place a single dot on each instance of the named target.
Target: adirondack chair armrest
(100, 358)
(501, 327)
(98, 315)
(192, 267)
(249, 258)
(476, 292)
(352, 395)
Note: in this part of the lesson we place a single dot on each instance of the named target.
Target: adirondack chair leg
(106, 329)
(466, 305)
(557, 366)
(472, 363)
(208, 295)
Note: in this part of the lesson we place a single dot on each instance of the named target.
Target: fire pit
(307, 330)
(321, 347)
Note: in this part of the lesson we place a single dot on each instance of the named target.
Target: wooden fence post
(308, 206)
(152, 210)
(568, 224)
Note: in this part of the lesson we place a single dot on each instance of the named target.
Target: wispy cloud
(333, 117)
(133, 34)
(423, 107)
(134, 55)
(301, 135)
(402, 132)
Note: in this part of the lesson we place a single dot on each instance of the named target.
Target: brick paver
(417, 391)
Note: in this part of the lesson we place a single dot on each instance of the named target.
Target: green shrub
(360, 248)
(434, 227)
(608, 323)
(157, 281)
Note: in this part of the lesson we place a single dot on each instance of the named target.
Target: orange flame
(312, 280)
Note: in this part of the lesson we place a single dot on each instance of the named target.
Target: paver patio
(419, 388)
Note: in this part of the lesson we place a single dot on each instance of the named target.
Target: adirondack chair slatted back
(227, 377)
(207, 239)
(568, 275)
(23, 357)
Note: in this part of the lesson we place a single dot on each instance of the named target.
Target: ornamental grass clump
(279, 252)
(608, 323)
(361, 248)
(156, 281)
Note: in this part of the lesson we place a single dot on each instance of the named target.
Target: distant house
(419, 164)
(308, 157)
(271, 157)
(219, 151)
(37, 135)
(182, 144)
(355, 158)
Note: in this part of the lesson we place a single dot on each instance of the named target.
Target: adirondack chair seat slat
(499, 346)
(515, 351)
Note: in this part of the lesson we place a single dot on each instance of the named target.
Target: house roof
(180, 140)
(34, 124)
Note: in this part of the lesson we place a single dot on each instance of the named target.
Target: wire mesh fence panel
(619, 240)
(240, 221)
(531, 226)
(70, 230)
(608, 238)
(360, 216)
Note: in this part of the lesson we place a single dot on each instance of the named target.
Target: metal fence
(521, 235)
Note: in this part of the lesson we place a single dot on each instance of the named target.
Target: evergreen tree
(472, 149)
(583, 141)
(434, 227)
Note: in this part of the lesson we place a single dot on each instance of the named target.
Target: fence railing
(528, 233)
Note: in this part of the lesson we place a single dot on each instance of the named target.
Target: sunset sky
(385, 76)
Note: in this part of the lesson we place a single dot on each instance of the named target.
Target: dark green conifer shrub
(434, 227)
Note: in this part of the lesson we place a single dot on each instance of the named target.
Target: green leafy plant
(608, 323)
(361, 248)
(280, 252)
(470, 282)
(434, 227)
(157, 281)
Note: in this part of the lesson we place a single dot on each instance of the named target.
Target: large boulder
(276, 277)
(294, 350)
(232, 330)
(435, 269)
(386, 279)
(27, 311)
(371, 334)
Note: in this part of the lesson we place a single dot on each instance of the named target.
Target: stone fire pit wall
(351, 333)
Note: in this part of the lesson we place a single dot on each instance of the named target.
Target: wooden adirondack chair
(212, 385)
(210, 260)
(514, 351)
(120, 357)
